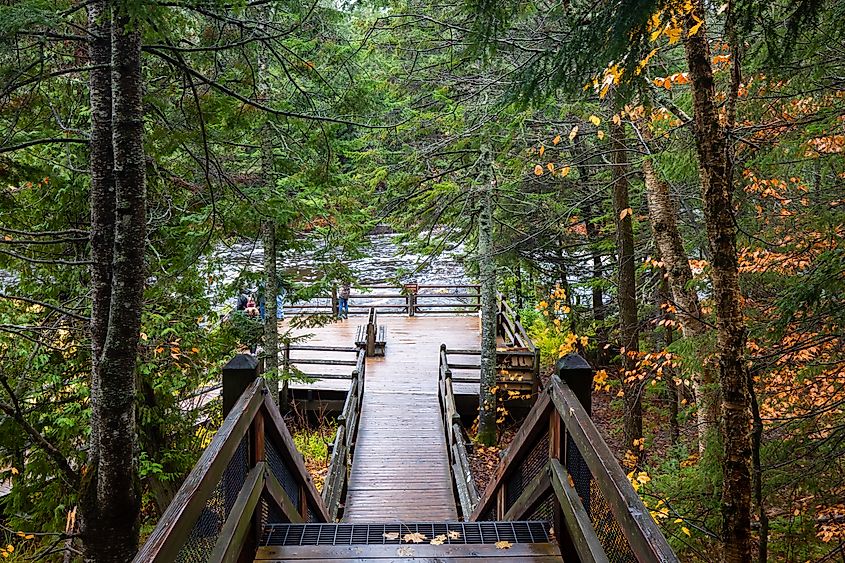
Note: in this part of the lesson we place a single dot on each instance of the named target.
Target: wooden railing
(303, 359)
(456, 444)
(411, 299)
(343, 447)
(559, 468)
(250, 475)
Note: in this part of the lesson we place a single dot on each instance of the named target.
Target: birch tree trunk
(487, 273)
(667, 238)
(628, 328)
(716, 174)
(110, 498)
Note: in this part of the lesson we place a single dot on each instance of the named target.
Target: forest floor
(312, 439)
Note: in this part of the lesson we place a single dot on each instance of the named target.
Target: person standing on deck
(343, 301)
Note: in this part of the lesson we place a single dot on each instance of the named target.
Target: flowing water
(385, 262)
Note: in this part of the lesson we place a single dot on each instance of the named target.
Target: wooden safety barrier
(296, 356)
(343, 447)
(250, 475)
(558, 467)
(412, 299)
(456, 444)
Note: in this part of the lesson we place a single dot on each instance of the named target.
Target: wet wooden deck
(400, 470)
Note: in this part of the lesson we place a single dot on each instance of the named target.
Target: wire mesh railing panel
(209, 524)
(544, 510)
(607, 528)
(282, 472)
(527, 470)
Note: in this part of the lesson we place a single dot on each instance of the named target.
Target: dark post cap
(574, 371)
(242, 361)
(571, 362)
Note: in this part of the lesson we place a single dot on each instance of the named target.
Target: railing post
(238, 374)
(576, 373)
(371, 335)
(334, 302)
(574, 370)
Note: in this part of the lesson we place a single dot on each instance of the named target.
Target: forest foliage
(414, 114)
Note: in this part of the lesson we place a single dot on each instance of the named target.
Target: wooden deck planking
(400, 469)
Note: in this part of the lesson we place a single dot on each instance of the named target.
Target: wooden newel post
(576, 373)
(238, 374)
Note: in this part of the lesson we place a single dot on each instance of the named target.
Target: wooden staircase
(558, 493)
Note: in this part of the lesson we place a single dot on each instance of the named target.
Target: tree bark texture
(268, 234)
(667, 238)
(110, 496)
(715, 170)
(101, 195)
(487, 273)
(627, 289)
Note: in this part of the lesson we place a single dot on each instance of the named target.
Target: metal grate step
(393, 534)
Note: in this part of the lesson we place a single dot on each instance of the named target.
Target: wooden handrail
(253, 422)
(175, 524)
(643, 535)
(455, 444)
(580, 476)
(343, 446)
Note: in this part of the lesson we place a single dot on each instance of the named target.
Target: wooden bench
(371, 336)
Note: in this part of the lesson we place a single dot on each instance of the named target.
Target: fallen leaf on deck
(391, 535)
(438, 540)
(454, 535)
(416, 537)
(503, 544)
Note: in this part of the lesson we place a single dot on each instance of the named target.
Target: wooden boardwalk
(400, 470)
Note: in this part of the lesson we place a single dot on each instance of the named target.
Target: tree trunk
(715, 169)
(667, 238)
(668, 372)
(271, 327)
(101, 197)
(599, 314)
(487, 274)
(268, 235)
(628, 328)
(110, 496)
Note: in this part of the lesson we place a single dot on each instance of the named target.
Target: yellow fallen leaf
(625, 212)
(595, 120)
(564, 171)
(416, 537)
(503, 544)
(551, 166)
(616, 119)
(542, 150)
(454, 534)
(391, 535)
(573, 132)
(438, 540)
(556, 140)
(538, 170)
(600, 134)
(685, 530)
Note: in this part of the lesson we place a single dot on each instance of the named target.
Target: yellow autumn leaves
(564, 171)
